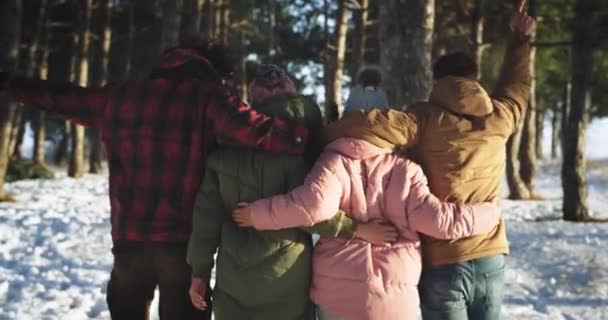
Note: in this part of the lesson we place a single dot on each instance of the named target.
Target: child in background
(352, 279)
(261, 275)
(367, 94)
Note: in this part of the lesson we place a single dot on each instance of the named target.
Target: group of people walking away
(404, 202)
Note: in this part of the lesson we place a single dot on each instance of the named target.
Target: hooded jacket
(260, 275)
(459, 138)
(157, 134)
(353, 279)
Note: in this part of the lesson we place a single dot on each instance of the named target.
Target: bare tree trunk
(96, 152)
(477, 35)
(359, 37)
(10, 35)
(43, 70)
(77, 159)
(540, 128)
(556, 129)
(272, 22)
(517, 188)
(171, 23)
(406, 34)
(192, 16)
(574, 167)
(527, 150)
(333, 96)
(17, 134)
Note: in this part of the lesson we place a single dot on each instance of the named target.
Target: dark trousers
(138, 269)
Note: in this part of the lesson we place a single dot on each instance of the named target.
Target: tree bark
(96, 151)
(406, 34)
(541, 113)
(192, 16)
(333, 96)
(39, 118)
(555, 130)
(10, 35)
(359, 37)
(172, 10)
(517, 188)
(76, 168)
(477, 35)
(574, 167)
(527, 150)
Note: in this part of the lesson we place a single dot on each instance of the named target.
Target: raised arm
(207, 221)
(235, 124)
(318, 199)
(381, 127)
(512, 90)
(83, 105)
(444, 220)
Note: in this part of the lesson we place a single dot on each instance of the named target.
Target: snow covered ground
(55, 250)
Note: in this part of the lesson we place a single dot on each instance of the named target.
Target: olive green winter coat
(260, 275)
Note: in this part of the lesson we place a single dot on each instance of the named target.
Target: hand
(198, 291)
(377, 232)
(521, 22)
(242, 215)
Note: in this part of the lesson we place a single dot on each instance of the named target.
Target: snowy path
(55, 252)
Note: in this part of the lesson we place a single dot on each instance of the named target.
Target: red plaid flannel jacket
(157, 134)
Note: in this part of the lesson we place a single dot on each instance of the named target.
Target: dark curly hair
(457, 64)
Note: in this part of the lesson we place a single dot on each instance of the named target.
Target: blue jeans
(467, 290)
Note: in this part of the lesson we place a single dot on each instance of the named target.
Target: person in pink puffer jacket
(352, 279)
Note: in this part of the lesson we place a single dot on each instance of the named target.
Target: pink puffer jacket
(353, 279)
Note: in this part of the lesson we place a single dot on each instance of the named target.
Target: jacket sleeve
(318, 199)
(512, 91)
(444, 220)
(207, 221)
(235, 124)
(340, 226)
(83, 105)
(382, 127)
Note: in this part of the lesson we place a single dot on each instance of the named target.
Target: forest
(322, 44)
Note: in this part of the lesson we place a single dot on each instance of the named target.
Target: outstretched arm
(83, 105)
(236, 124)
(443, 220)
(318, 199)
(512, 91)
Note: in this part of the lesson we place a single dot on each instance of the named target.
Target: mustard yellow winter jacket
(459, 138)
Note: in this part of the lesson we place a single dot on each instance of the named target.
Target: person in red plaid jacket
(157, 133)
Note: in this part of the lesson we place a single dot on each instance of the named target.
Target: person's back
(260, 275)
(354, 279)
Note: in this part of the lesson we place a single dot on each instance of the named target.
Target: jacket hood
(183, 63)
(461, 95)
(356, 149)
(293, 107)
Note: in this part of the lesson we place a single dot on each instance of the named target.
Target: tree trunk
(406, 34)
(192, 16)
(10, 35)
(527, 150)
(517, 187)
(171, 23)
(566, 107)
(333, 96)
(17, 133)
(477, 35)
(540, 128)
(574, 168)
(39, 117)
(359, 37)
(555, 130)
(77, 159)
(96, 151)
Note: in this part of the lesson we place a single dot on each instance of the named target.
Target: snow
(55, 249)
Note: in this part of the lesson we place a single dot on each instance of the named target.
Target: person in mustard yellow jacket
(459, 136)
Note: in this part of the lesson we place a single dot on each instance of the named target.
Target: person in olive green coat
(261, 275)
